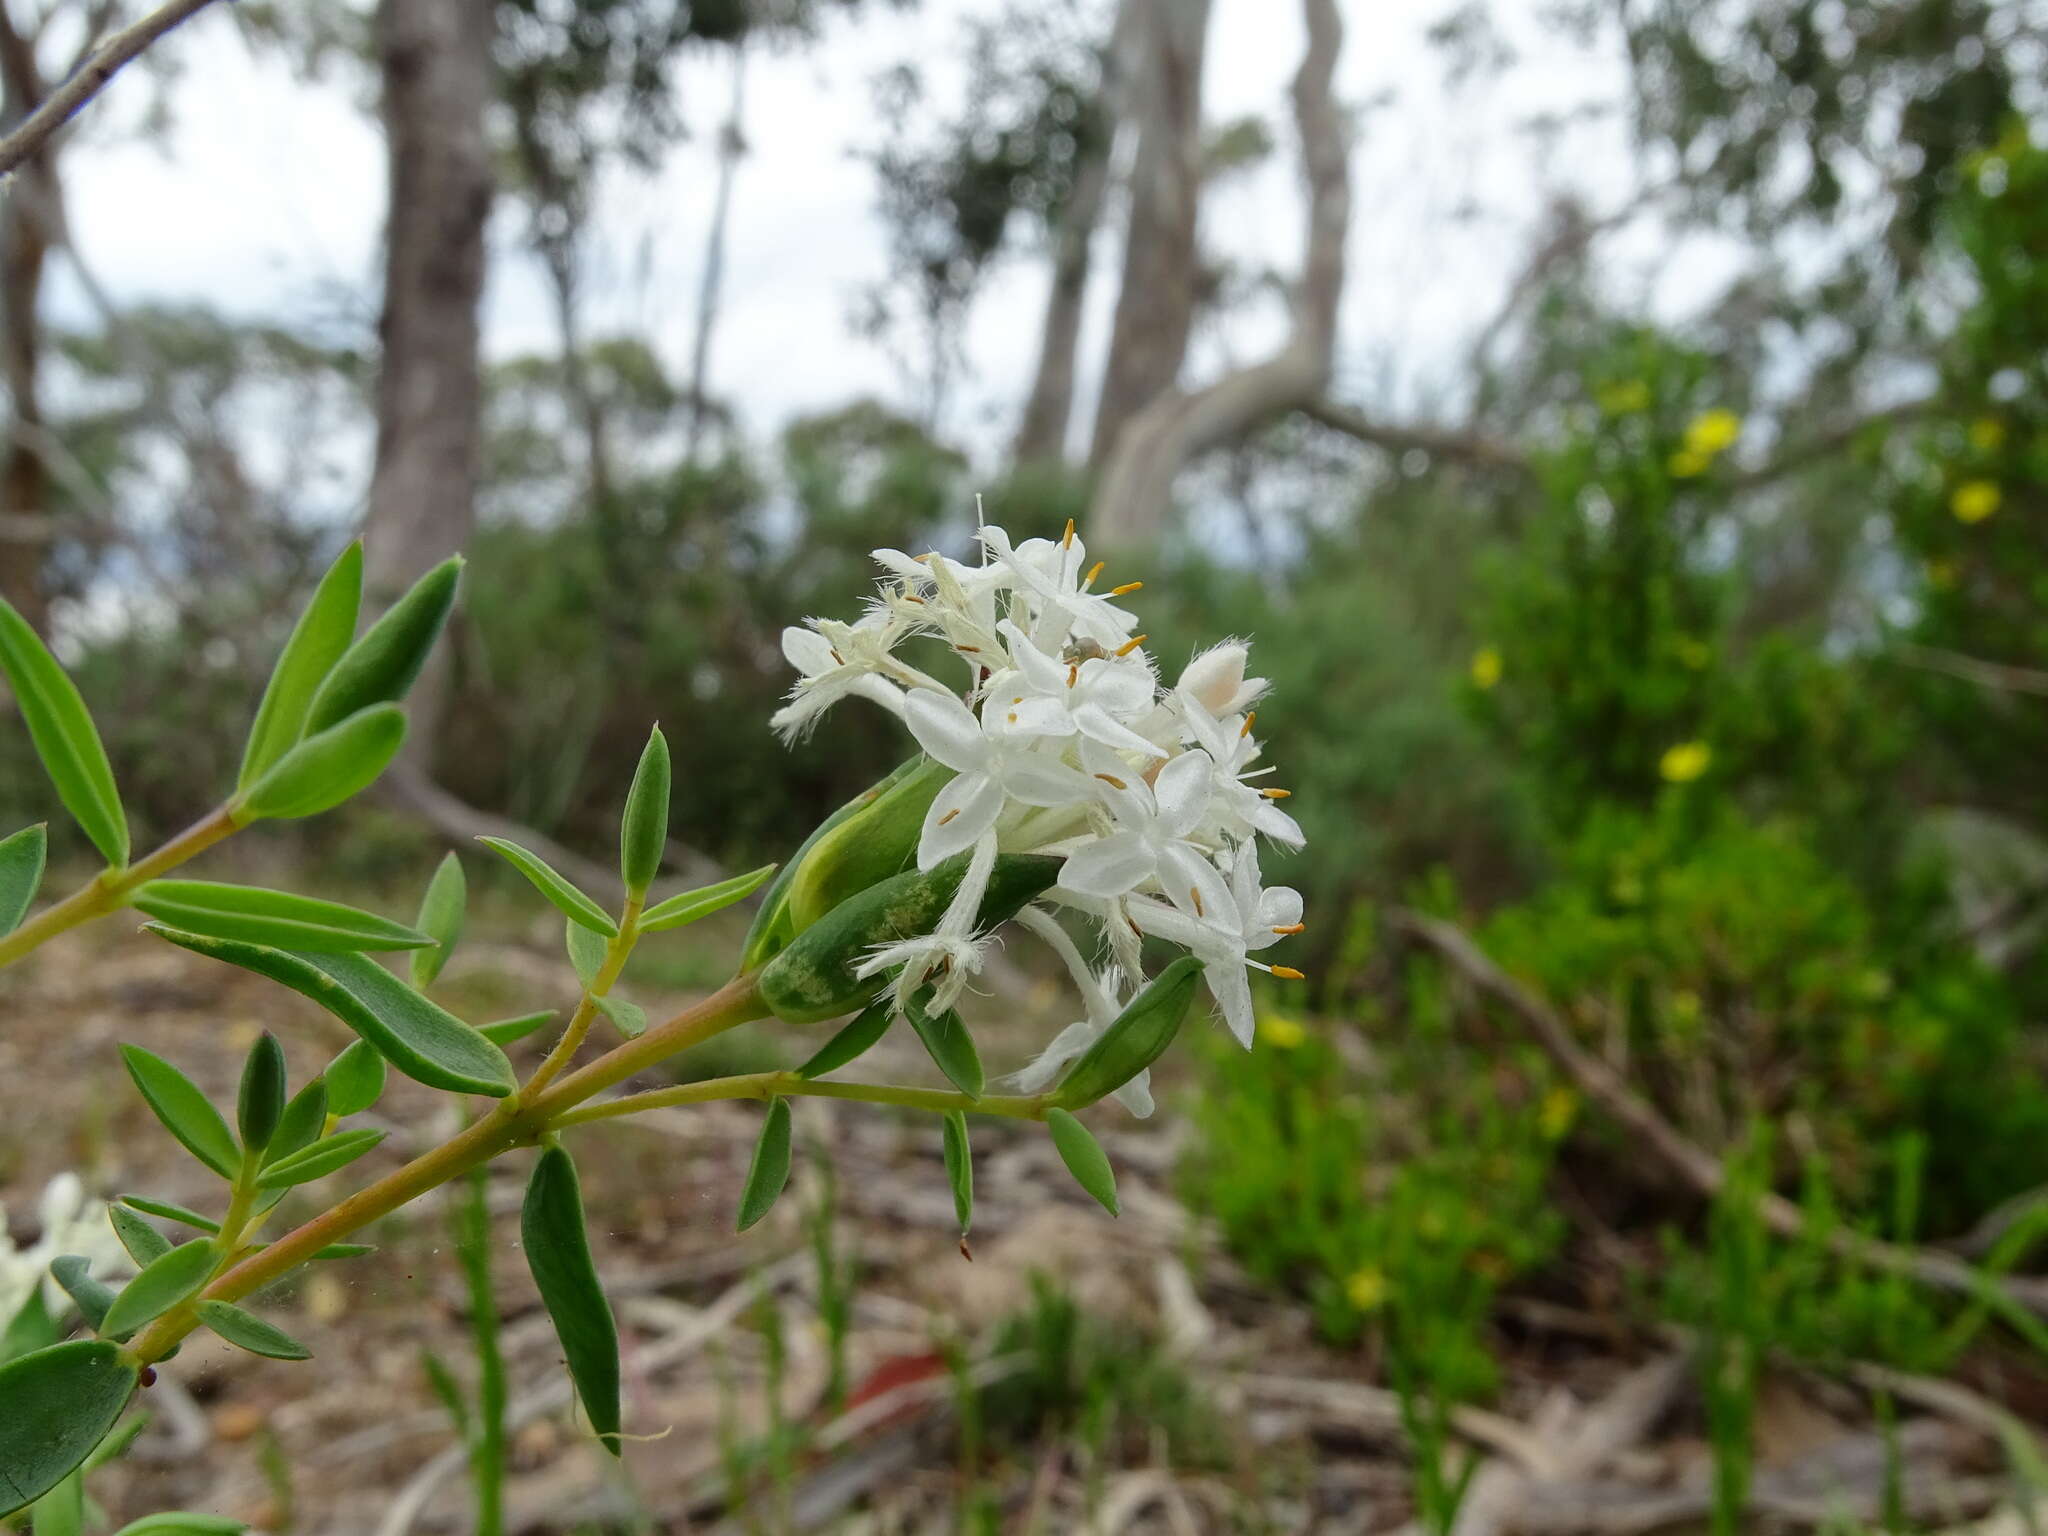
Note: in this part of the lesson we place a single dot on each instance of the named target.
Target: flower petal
(1095, 723)
(807, 650)
(1038, 780)
(1182, 790)
(1114, 865)
(967, 807)
(947, 729)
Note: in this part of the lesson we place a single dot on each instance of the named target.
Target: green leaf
(558, 1252)
(773, 926)
(382, 666)
(115, 1446)
(262, 1097)
(31, 1328)
(63, 733)
(61, 1511)
(505, 1031)
(813, 978)
(1140, 1035)
(355, 1080)
(587, 950)
(21, 873)
(344, 1251)
(868, 1026)
(1084, 1158)
(318, 1160)
(769, 1171)
(630, 1019)
(185, 1111)
(247, 1331)
(703, 901)
(442, 911)
(448, 1389)
(960, 1168)
(302, 1121)
(876, 842)
(179, 1523)
(318, 641)
(571, 902)
(950, 1046)
(170, 1212)
(421, 1039)
(94, 1297)
(61, 1402)
(257, 916)
(643, 830)
(160, 1286)
(144, 1243)
(324, 770)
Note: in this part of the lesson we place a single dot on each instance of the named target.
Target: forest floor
(1075, 1374)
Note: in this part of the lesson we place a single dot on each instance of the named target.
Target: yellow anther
(1276, 794)
(1073, 674)
(1130, 645)
(1289, 973)
(1129, 586)
(912, 597)
(1094, 571)
(1011, 717)
(970, 650)
(1246, 728)
(1195, 896)
(1067, 538)
(948, 817)
(1292, 928)
(1112, 781)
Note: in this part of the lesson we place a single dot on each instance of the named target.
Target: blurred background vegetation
(1692, 660)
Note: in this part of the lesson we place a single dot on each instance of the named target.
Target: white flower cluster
(1065, 743)
(70, 1223)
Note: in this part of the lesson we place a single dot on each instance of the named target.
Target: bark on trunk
(437, 79)
(28, 213)
(1042, 432)
(1134, 493)
(1156, 303)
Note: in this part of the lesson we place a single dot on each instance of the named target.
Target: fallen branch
(1692, 1162)
(89, 79)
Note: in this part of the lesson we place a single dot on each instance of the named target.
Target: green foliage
(184, 1110)
(947, 1041)
(443, 910)
(557, 1244)
(1136, 1038)
(688, 906)
(768, 1172)
(319, 640)
(276, 918)
(959, 1168)
(245, 1330)
(327, 767)
(21, 872)
(643, 830)
(1084, 1158)
(852, 1041)
(61, 1402)
(572, 903)
(64, 736)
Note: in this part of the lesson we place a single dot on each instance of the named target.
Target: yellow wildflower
(1560, 1109)
(1366, 1289)
(1685, 762)
(1987, 434)
(1623, 399)
(1281, 1032)
(1485, 667)
(1975, 500)
(1713, 432)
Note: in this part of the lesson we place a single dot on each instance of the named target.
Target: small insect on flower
(1061, 740)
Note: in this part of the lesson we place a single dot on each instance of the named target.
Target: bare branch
(63, 103)
(1996, 675)
(1474, 448)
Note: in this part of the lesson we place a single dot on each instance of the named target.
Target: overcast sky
(266, 198)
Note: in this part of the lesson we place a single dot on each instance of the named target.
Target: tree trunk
(1134, 493)
(1156, 303)
(1042, 433)
(28, 211)
(732, 144)
(437, 80)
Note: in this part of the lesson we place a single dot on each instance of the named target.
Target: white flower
(71, 1224)
(1223, 937)
(1063, 743)
(993, 768)
(1091, 697)
(1101, 996)
(1150, 843)
(1242, 808)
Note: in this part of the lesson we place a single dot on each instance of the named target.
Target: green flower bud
(1140, 1035)
(813, 978)
(877, 841)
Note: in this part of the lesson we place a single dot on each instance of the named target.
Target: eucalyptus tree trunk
(437, 80)
(28, 228)
(1155, 305)
(1134, 491)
